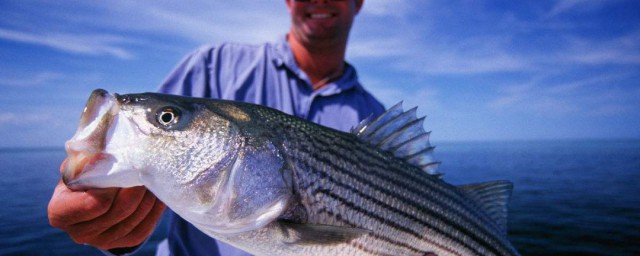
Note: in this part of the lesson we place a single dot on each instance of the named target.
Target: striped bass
(273, 184)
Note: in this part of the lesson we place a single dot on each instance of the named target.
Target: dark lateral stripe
(384, 169)
(474, 234)
(394, 225)
(364, 248)
(315, 135)
(383, 238)
(415, 177)
(387, 175)
(325, 144)
(398, 226)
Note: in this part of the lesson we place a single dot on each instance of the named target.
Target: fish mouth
(85, 150)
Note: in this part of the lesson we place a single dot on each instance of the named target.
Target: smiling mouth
(320, 15)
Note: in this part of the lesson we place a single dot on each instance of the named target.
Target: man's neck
(322, 63)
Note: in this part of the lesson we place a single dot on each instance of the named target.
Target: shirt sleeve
(192, 76)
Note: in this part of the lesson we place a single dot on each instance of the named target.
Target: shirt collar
(284, 58)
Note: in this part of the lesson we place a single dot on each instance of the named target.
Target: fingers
(68, 207)
(125, 203)
(127, 225)
(105, 218)
(138, 226)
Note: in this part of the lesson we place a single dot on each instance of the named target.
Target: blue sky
(480, 70)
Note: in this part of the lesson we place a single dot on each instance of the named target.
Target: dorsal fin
(402, 134)
(493, 197)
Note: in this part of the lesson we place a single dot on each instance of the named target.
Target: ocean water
(28, 179)
(570, 197)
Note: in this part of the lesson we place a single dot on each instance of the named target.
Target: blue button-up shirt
(264, 74)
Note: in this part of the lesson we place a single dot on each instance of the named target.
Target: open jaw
(88, 165)
(83, 170)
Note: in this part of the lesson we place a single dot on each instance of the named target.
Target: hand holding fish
(105, 218)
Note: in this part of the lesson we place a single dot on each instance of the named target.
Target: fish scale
(275, 184)
(325, 153)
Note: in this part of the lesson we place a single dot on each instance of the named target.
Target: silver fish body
(273, 184)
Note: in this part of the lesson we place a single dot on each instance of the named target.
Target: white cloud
(87, 44)
(13, 119)
(563, 6)
(619, 50)
(204, 21)
(612, 109)
(467, 56)
(378, 48)
(425, 98)
(421, 48)
(387, 7)
(32, 80)
(584, 96)
(199, 21)
(463, 62)
(47, 79)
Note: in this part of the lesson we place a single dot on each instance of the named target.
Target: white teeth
(320, 16)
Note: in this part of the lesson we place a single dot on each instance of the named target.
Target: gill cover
(256, 193)
(258, 187)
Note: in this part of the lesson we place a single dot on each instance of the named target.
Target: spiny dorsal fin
(493, 197)
(401, 133)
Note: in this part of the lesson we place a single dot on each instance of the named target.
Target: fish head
(194, 155)
(170, 145)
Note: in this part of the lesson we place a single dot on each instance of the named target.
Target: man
(303, 74)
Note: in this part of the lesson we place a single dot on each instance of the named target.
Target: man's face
(314, 20)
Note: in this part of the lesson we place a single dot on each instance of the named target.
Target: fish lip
(86, 147)
(121, 99)
(97, 99)
(77, 163)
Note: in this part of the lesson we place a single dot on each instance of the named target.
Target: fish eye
(168, 116)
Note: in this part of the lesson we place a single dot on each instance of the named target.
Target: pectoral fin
(318, 234)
